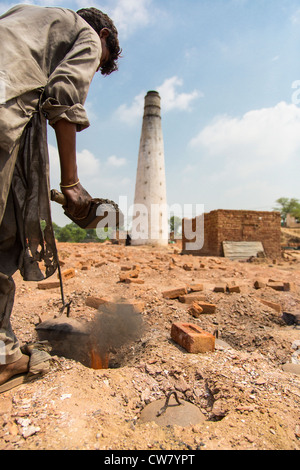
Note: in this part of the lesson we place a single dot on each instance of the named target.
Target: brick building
(237, 226)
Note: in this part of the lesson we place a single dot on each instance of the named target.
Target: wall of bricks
(236, 226)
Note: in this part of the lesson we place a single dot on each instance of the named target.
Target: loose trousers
(10, 252)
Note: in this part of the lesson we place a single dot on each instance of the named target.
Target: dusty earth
(247, 400)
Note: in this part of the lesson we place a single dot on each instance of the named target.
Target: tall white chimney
(150, 218)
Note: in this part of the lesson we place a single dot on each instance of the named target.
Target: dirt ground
(247, 400)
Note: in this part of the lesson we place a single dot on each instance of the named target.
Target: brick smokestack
(150, 218)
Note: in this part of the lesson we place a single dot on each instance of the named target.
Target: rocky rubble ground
(247, 389)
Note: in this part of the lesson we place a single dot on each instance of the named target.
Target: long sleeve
(67, 87)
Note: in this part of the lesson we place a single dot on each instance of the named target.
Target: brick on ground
(233, 287)
(188, 267)
(220, 287)
(289, 286)
(67, 274)
(272, 305)
(99, 264)
(192, 338)
(126, 268)
(126, 275)
(190, 298)
(132, 280)
(95, 302)
(195, 310)
(174, 293)
(44, 285)
(207, 307)
(259, 284)
(196, 287)
(276, 285)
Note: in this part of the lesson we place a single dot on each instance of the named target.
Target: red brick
(259, 284)
(188, 267)
(220, 287)
(195, 310)
(190, 298)
(276, 285)
(95, 302)
(174, 293)
(196, 287)
(48, 285)
(132, 280)
(207, 307)
(192, 338)
(272, 305)
(126, 275)
(232, 287)
(68, 274)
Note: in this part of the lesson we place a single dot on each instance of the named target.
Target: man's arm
(78, 200)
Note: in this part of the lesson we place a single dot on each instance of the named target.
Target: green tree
(56, 229)
(71, 233)
(175, 224)
(288, 206)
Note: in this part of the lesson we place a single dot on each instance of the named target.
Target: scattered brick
(48, 285)
(190, 298)
(207, 307)
(195, 310)
(134, 281)
(125, 275)
(95, 302)
(196, 287)
(192, 338)
(125, 268)
(67, 274)
(232, 287)
(99, 264)
(289, 286)
(276, 285)
(272, 305)
(85, 267)
(174, 293)
(259, 284)
(188, 267)
(220, 287)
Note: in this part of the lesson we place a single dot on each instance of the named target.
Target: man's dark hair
(99, 20)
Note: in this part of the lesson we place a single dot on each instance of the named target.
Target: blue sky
(228, 72)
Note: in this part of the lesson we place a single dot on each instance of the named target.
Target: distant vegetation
(288, 206)
(73, 234)
(175, 224)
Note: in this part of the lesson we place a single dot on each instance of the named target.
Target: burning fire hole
(115, 325)
(99, 361)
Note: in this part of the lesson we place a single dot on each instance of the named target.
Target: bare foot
(9, 370)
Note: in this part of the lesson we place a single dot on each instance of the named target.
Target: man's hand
(78, 201)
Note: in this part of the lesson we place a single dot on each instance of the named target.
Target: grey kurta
(48, 57)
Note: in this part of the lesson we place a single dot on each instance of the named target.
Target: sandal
(39, 365)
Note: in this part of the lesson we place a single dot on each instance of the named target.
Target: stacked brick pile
(237, 226)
